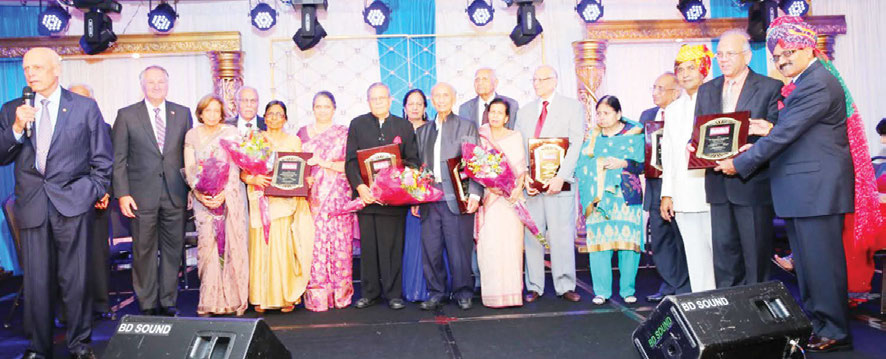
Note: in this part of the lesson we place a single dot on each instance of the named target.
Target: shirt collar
(151, 107)
(54, 98)
(494, 96)
(740, 78)
(549, 99)
(804, 70)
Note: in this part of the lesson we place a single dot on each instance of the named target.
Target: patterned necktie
(541, 118)
(44, 137)
(486, 115)
(160, 127)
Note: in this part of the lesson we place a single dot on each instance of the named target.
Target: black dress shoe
(655, 298)
(86, 354)
(365, 303)
(431, 304)
(169, 312)
(825, 345)
(396, 304)
(465, 303)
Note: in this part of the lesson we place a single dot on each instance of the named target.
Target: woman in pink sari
(330, 285)
(499, 231)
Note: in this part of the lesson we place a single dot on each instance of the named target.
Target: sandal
(287, 309)
(786, 263)
(598, 300)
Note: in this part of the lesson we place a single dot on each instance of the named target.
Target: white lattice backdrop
(346, 66)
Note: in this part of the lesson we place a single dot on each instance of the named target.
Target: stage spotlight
(98, 32)
(263, 16)
(794, 7)
(692, 10)
(53, 21)
(103, 5)
(311, 32)
(377, 15)
(480, 12)
(528, 26)
(162, 18)
(590, 10)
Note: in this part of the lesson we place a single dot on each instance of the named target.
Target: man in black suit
(667, 244)
(382, 228)
(741, 207)
(811, 176)
(247, 118)
(149, 138)
(477, 109)
(443, 226)
(62, 167)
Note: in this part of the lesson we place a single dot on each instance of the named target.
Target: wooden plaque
(545, 155)
(717, 137)
(459, 182)
(288, 178)
(654, 132)
(374, 159)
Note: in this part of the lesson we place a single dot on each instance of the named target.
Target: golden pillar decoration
(227, 77)
(825, 44)
(590, 66)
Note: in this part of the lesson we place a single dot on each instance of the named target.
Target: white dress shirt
(53, 108)
(151, 108)
(243, 129)
(438, 173)
(481, 107)
(684, 186)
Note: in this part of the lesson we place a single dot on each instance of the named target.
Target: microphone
(28, 97)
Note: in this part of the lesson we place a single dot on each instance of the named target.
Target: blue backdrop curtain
(15, 21)
(409, 63)
(734, 8)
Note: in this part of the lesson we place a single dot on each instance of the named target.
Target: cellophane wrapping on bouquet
(254, 155)
(211, 178)
(399, 186)
(489, 167)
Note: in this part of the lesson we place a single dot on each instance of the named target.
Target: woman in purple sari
(330, 285)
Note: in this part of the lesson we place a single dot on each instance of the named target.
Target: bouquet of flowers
(490, 168)
(211, 178)
(254, 155)
(399, 186)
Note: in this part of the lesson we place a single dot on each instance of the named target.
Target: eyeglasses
(786, 54)
(729, 54)
(661, 89)
(535, 81)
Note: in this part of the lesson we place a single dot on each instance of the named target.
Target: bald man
(741, 207)
(62, 167)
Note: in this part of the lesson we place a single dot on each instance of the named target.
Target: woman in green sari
(611, 197)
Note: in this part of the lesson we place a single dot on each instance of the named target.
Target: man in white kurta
(682, 189)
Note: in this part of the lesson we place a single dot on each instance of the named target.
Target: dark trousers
(99, 268)
(160, 228)
(54, 254)
(446, 233)
(667, 247)
(820, 262)
(381, 255)
(742, 239)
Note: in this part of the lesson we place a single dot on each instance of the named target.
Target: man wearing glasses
(667, 245)
(552, 115)
(247, 118)
(741, 207)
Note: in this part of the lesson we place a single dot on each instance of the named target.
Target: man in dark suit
(443, 226)
(667, 244)
(741, 207)
(149, 139)
(477, 109)
(247, 118)
(382, 228)
(62, 167)
(811, 176)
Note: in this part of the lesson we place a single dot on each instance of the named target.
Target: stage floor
(550, 327)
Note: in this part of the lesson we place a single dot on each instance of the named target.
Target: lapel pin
(64, 110)
(172, 112)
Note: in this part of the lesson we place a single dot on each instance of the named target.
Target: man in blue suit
(811, 176)
(741, 207)
(667, 244)
(63, 160)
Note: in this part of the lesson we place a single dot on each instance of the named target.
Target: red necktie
(541, 118)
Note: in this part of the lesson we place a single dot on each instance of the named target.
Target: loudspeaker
(193, 338)
(755, 321)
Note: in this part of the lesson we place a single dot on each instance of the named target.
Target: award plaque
(288, 179)
(717, 137)
(654, 132)
(459, 182)
(375, 159)
(545, 155)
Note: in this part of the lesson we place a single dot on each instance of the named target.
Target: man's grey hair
(83, 85)
(240, 91)
(738, 33)
(377, 84)
(443, 84)
(491, 72)
(141, 75)
(553, 70)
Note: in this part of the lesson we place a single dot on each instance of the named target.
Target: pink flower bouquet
(254, 155)
(211, 178)
(490, 168)
(399, 186)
